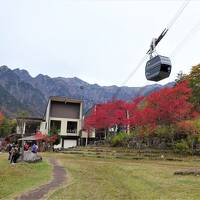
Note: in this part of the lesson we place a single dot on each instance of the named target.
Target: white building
(63, 116)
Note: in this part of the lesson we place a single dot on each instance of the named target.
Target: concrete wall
(44, 126)
(63, 128)
(91, 134)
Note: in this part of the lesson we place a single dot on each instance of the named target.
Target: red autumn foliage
(135, 112)
(40, 136)
(170, 105)
(107, 115)
(166, 106)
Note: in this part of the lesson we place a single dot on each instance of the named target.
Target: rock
(195, 172)
(31, 157)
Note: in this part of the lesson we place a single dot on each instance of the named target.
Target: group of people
(31, 147)
(14, 151)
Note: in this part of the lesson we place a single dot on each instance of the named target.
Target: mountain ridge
(32, 93)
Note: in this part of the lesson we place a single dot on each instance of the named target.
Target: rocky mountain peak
(22, 74)
(4, 68)
(27, 92)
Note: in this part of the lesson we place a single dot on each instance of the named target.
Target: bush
(165, 131)
(182, 147)
(196, 124)
(121, 139)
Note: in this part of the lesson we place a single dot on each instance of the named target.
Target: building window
(55, 126)
(71, 127)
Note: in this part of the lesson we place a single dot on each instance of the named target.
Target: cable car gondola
(158, 68)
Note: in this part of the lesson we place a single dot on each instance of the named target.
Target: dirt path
(59, 176)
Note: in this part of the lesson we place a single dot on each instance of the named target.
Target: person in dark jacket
(9, 148)
(14, 154)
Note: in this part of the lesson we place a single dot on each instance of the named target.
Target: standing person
(9, 148)
(14, 154)
(11, 153)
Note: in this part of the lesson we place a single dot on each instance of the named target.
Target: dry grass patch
(110, 179)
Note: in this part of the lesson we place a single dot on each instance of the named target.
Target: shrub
(182, 147)
(165, 131)
(121, 139)
(196, 124)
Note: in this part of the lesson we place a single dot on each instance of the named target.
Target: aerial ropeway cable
(187, 37)
(170, 24)
(163, 69)
(159, 67)
(155, 41)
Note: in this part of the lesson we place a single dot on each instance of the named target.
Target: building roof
(33, 138)
(65, 99)
(30, 119)
(61, 99)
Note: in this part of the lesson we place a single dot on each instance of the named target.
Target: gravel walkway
(59, 176)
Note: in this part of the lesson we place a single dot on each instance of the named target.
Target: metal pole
(23, 132)
(86, 141)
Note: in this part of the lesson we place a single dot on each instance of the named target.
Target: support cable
(160, 37)
(187, 37)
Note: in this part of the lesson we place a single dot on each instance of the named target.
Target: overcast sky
(97, 41)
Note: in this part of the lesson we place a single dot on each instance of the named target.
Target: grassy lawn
(106, 179)
(95, 177)
(17, 179)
